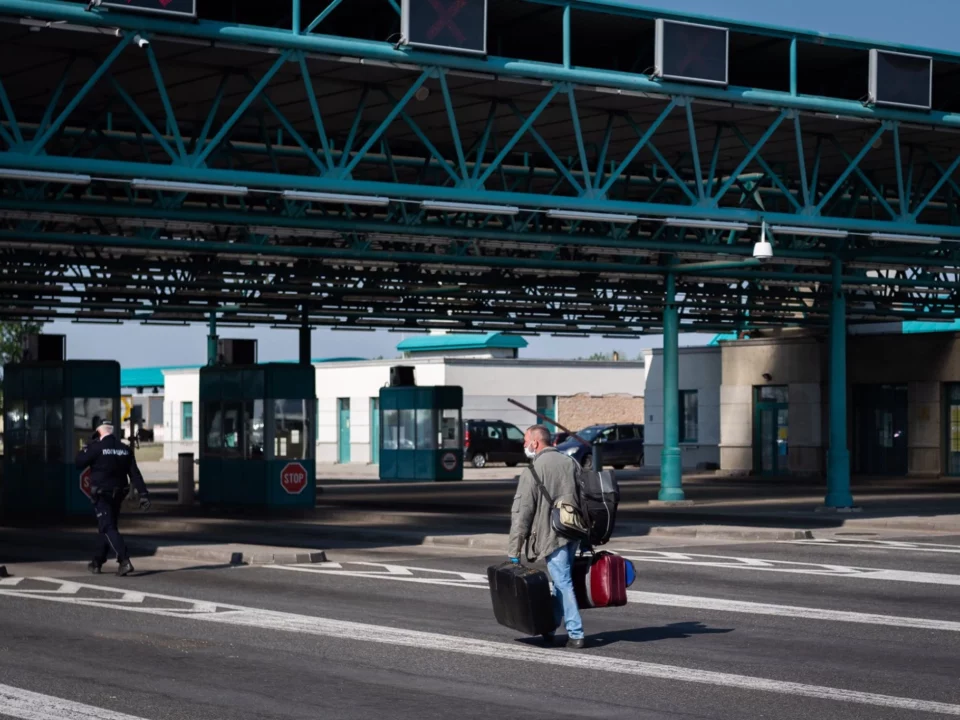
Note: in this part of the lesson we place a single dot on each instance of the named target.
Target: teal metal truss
(581, 195)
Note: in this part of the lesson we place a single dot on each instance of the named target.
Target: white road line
(862, 544)
(351, 631)
(27, 705)
(787, 566)
(377, 575)
(806, 613)
(660, 599)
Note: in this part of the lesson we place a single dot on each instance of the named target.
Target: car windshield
(589, 434)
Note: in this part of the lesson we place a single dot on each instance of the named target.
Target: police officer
(111, 462)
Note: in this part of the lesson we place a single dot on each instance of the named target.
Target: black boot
(126, 567)
(93, 567)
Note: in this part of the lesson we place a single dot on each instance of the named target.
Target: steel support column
(212, 340)
(671, 489)
(838, 457)
(304, 338)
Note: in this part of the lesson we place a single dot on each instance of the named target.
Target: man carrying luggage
(530, 518)
(111, 462)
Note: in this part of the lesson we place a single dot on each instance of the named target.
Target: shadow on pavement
(673, 631)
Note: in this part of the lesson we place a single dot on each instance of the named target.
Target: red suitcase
(600, 580)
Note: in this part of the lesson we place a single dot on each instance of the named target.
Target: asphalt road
(858, 628)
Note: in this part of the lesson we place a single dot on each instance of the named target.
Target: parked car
(622, 445)
(559, 437)
(487, 441)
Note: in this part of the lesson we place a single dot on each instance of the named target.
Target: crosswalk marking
(788, 566)
(806, 613)
(867, 544)
(27, 705)
(236, 615)
(476, 580)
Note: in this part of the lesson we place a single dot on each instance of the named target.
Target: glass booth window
(390, 428)
(88, 413)
(213, 426)
(450, 429)
(426, 429)
(15, 430)
(233, 429)
(255, 429)
(408, 430)
(36, 432)
(290, 419)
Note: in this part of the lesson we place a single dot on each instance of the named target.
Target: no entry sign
(85, 487)
(452, 25)
(293, 478)
(182, 8)
(449, 462)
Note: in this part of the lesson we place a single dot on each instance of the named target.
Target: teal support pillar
(212, 340)
(305, 338)
(671, 475)
(566, 35)
(838, 457)
(295, 22)
(793, 67)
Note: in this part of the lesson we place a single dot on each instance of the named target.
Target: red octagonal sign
(85, 486)
(293, 478)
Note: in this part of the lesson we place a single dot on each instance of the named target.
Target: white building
(700, 371)
(487, 367)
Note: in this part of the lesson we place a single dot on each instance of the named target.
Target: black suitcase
(521, 598)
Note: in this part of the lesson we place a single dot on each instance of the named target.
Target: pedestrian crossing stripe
(603, 665)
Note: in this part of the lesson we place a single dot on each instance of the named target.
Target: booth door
(880, 429)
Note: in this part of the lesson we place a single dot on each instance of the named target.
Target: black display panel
(180, 8)
(692, 53)
(451, 25)
(901, 80)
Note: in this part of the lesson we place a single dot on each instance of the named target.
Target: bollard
(185, 479)
(598, 456)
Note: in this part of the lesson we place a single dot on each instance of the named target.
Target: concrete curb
(231, 555)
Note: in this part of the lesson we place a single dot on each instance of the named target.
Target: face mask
(529, 452)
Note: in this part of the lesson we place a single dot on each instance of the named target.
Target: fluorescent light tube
(914, 239)
(38, 176)
(591, 216)
(174, 186)
(444, 206)
(324, 197)
(706, 224)
(814, 232)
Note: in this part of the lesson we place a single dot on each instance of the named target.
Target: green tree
(12, 337)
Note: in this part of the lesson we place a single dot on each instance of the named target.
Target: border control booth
(51, 408)
(257, 443)
(420, 430)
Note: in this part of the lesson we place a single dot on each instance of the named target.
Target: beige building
(903, 404)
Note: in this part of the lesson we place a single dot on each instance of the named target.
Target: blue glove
(515, 561)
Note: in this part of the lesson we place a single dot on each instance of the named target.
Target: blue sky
(927, 23)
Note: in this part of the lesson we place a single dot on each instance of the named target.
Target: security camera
(141, 41)
(762, 249)
(93, 4)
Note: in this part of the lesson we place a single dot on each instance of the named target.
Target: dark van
(491, 441)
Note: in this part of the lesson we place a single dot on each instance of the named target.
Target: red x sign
(446, 12)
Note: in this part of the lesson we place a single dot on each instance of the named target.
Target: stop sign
(85, 486)
(293, 478)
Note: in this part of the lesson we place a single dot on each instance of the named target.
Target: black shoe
(576, 644)
(126, 567)
(93, 567)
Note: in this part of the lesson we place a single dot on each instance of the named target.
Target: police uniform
(110, 463)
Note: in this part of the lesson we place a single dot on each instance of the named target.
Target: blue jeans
(560, 567)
